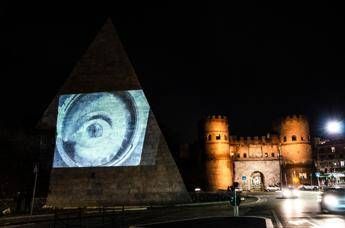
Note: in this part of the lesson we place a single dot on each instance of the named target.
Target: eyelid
(99, 116)
(91, 116)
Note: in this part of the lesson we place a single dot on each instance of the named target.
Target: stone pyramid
(106, 67)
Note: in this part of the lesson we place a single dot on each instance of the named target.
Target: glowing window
(266, 155)
(302, 175)
(333, 149)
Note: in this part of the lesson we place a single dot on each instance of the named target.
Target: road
(300, 212)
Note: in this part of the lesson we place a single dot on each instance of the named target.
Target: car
(308, 187)
(332, 200)
(272, 188)
(290, 192)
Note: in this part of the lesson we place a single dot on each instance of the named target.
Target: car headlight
(295, 192)
(286, 193)
(319, 198)
(330, 200)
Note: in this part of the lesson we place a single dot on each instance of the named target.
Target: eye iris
(95, 130)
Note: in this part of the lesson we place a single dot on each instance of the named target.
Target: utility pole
(280, 166)
(34, 190)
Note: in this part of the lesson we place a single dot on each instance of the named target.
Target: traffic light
(235, 200)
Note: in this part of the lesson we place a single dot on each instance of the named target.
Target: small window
(238, 155)
(245, 155)
(225, 137)
(294, 138)
(209, 137)
(333, 149)
(284, 138)
(217, 137)
(272, 154)
(302, 139)
(266, 155)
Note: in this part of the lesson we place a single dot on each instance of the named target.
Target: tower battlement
(273, 139)
(217, 117)
(296, 117)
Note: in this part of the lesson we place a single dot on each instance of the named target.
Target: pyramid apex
(103, 67)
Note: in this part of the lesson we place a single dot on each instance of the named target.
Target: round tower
(296, 149)
(219, 167)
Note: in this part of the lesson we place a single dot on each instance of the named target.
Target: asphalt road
(300, 212)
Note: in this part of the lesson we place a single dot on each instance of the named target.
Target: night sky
(253, 63)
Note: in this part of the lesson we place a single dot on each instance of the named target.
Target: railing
(209, 196)
(81, 217)
(21, 207)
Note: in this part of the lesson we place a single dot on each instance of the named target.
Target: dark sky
(253, 63)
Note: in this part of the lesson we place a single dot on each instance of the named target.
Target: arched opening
(257, 181)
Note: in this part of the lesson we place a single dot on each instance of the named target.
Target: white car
(272, 188)
(290, 192)
(308, 187)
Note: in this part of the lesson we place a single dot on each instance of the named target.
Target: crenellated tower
(218, 164)
(296, 149)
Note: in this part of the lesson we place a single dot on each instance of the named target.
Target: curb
(208, 203)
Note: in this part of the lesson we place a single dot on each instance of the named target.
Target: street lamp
(334, 127)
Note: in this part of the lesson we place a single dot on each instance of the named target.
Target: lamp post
(317, 174)
(280, 166)
(34, 190)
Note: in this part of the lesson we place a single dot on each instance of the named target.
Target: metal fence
(21, 207)
(209, 196)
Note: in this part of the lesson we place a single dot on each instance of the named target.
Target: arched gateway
(257, 181)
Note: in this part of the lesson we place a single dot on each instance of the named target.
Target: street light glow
(334, 127)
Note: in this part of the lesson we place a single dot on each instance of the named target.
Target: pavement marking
(279, 224)
(313, 224)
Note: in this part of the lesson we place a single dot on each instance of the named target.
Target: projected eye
(101, 129)
(95, 130)
(92, 132)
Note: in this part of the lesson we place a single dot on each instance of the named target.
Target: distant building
(330, 161)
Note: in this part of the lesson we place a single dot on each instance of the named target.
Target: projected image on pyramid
(101, 129)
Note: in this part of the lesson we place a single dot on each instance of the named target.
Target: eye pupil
(95, 130)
